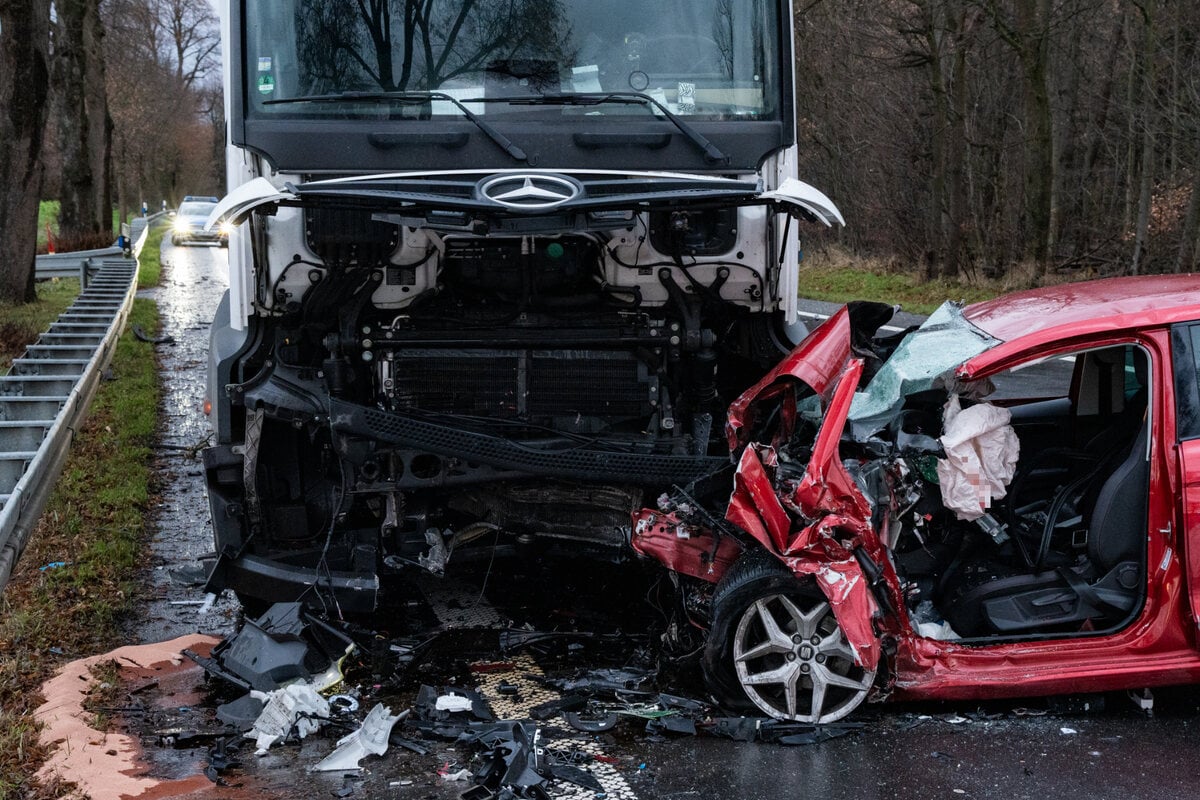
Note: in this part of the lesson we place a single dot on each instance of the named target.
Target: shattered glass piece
(943, 342)
(370, 739)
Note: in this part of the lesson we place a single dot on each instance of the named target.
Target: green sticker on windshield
(266, 84)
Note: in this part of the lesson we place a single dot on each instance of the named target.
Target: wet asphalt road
(194, 278)
(925, 751)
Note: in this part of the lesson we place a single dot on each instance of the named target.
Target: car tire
(775, 646)
(175, 240)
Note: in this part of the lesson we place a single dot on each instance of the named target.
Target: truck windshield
(705, 59)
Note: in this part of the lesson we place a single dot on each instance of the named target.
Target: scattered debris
(1143, 700)
(284, 644)
(142, 336)
(296, 706)
(371, 738)
(241, 712)
(1076, 704)
(222, 756)
(452, 703)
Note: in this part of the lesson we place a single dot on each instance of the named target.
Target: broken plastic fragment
(371, 738)
(333, 675)
(453, 702)
(296, 705)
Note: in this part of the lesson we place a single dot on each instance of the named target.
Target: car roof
(1140, 301)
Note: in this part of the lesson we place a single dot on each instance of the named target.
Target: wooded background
(961, 138)
(970, 137)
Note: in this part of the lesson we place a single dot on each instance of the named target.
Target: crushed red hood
(817, 362)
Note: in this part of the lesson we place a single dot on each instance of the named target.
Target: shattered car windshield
(943, 342)
(707, 59)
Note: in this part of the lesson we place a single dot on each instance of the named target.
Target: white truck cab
(497, 270)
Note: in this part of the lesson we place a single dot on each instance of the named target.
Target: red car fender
(817, 361)
(754, 507)
(842, 582)
(682, 548)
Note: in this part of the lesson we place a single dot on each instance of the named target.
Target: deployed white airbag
(981, 457)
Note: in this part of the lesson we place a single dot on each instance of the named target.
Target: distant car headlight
(225, 228)
(181, 225)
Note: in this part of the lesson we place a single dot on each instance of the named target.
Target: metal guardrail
(83, 264)
(47, 391)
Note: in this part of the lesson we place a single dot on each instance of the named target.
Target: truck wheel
(776, 644)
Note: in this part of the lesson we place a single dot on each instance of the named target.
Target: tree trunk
(1145, 193)
(937, 259)
(24, 84)
(84, 124)
(1086, 185)
(1183, 258)
(956, 148)
(1033, 19)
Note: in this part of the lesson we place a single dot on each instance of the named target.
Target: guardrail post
(83, 273)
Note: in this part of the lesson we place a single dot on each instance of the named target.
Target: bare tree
(24, 85)
(193, 36)
(356, 43)
(84, 126)
(160, 55)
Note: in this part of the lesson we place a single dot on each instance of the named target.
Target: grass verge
(94, 524)
(149, 265)
(47, 214)
(840, 283)
(21, 324)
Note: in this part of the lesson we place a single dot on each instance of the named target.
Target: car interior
(1064, 551)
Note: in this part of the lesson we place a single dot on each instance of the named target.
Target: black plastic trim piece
(579, 463)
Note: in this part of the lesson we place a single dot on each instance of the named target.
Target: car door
(1185, 356)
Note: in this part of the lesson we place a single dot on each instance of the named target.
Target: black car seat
(1106, 587)
(1069, 475)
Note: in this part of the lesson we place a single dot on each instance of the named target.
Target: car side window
(1185, 354)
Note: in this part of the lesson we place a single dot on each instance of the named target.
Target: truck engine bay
(416, 384)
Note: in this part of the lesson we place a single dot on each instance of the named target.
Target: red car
(1004, 502)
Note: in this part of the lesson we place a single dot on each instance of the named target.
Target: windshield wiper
(711, 152)
(496, 136)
